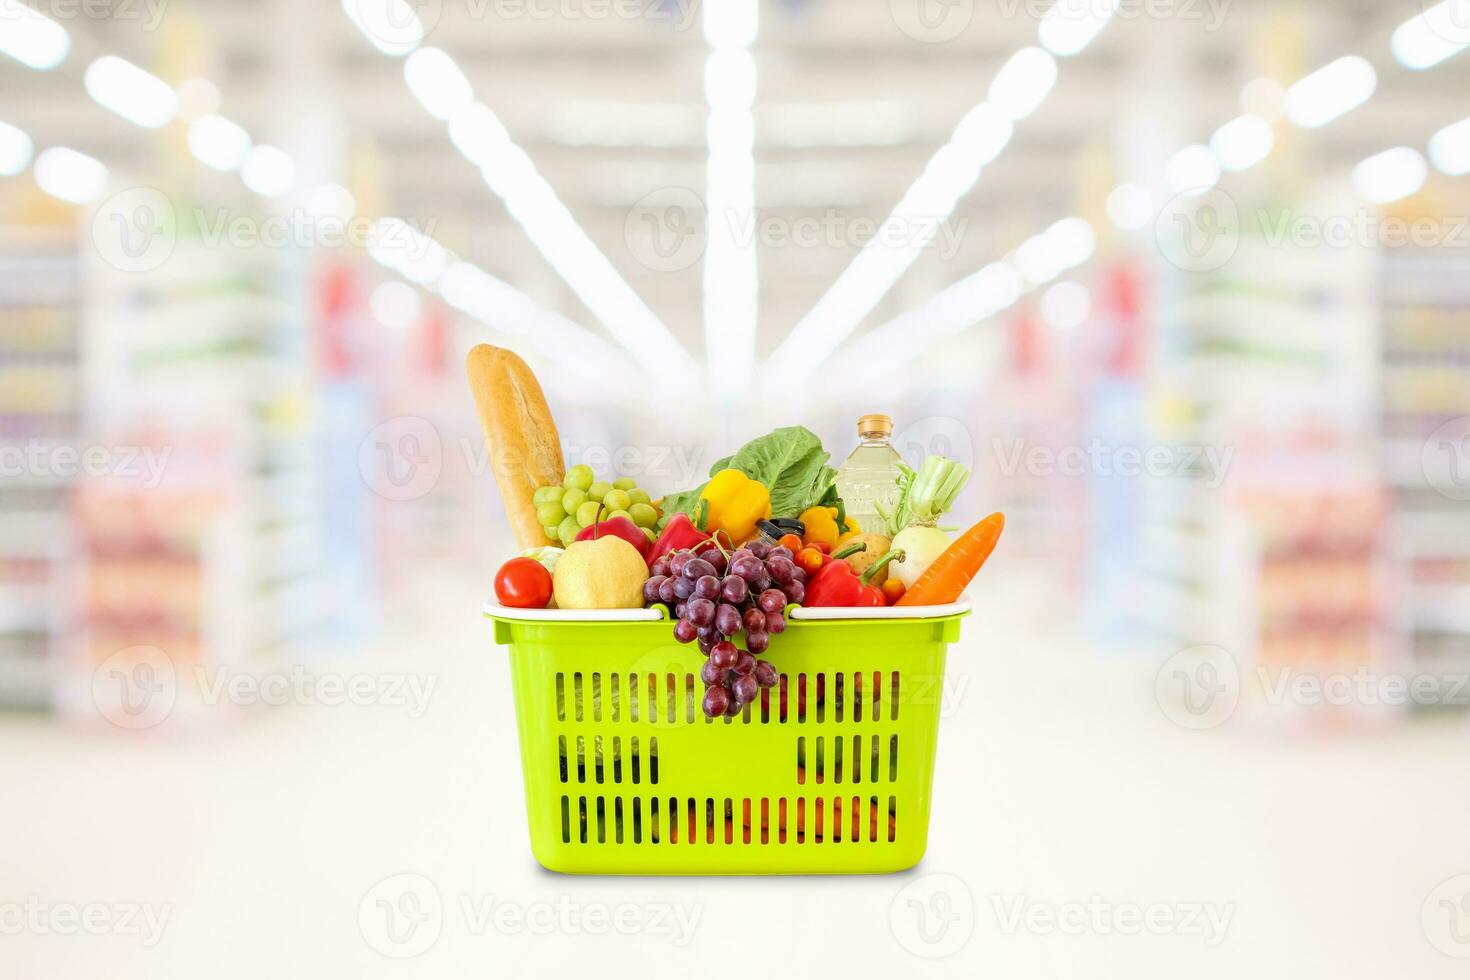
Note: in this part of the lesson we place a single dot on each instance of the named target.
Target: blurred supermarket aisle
(1060, 783)
(1185, 285)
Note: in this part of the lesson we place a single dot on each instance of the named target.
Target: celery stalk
(926, 495)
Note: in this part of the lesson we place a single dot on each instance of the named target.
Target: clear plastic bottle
(870, 474)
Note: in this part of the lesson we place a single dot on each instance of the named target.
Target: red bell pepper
(679, 535)
(619, 527)
(837, 585)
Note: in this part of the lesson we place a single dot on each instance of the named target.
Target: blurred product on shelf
(216, 560)
(1425, 401)
(1272, 543)
(40, 390)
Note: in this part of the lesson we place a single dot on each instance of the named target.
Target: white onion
(921, 546)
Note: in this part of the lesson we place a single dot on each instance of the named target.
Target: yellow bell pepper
(735, 503)
(821, 527)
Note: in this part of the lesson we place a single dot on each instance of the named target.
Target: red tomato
(523, 583)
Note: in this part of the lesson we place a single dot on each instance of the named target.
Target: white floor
(1063, 795)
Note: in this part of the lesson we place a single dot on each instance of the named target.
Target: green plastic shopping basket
(829, 773)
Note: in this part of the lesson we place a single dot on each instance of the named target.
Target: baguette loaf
(525, 451)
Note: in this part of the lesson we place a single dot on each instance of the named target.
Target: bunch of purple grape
(715, 597)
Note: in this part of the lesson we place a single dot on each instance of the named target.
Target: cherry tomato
(790, 542)
(893, 590)
(523, 583)
(810, 560)
(821, 546)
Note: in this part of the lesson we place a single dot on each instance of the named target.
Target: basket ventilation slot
(601, 768)
(826, 762)
(673, 699)
(693, 821)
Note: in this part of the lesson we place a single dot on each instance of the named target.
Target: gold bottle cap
(875, 427)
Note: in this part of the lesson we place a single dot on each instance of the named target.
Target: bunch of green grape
(566, 510)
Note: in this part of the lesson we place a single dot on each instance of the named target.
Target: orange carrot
(952, 571)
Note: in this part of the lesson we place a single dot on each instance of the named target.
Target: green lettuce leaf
(680, 503)
(790, 462)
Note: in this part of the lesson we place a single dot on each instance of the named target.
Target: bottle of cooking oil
(870, 474)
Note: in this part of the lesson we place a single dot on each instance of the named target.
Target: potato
(878, 546)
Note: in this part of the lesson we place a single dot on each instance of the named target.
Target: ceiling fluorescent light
(1331, 92)
(124, 88)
